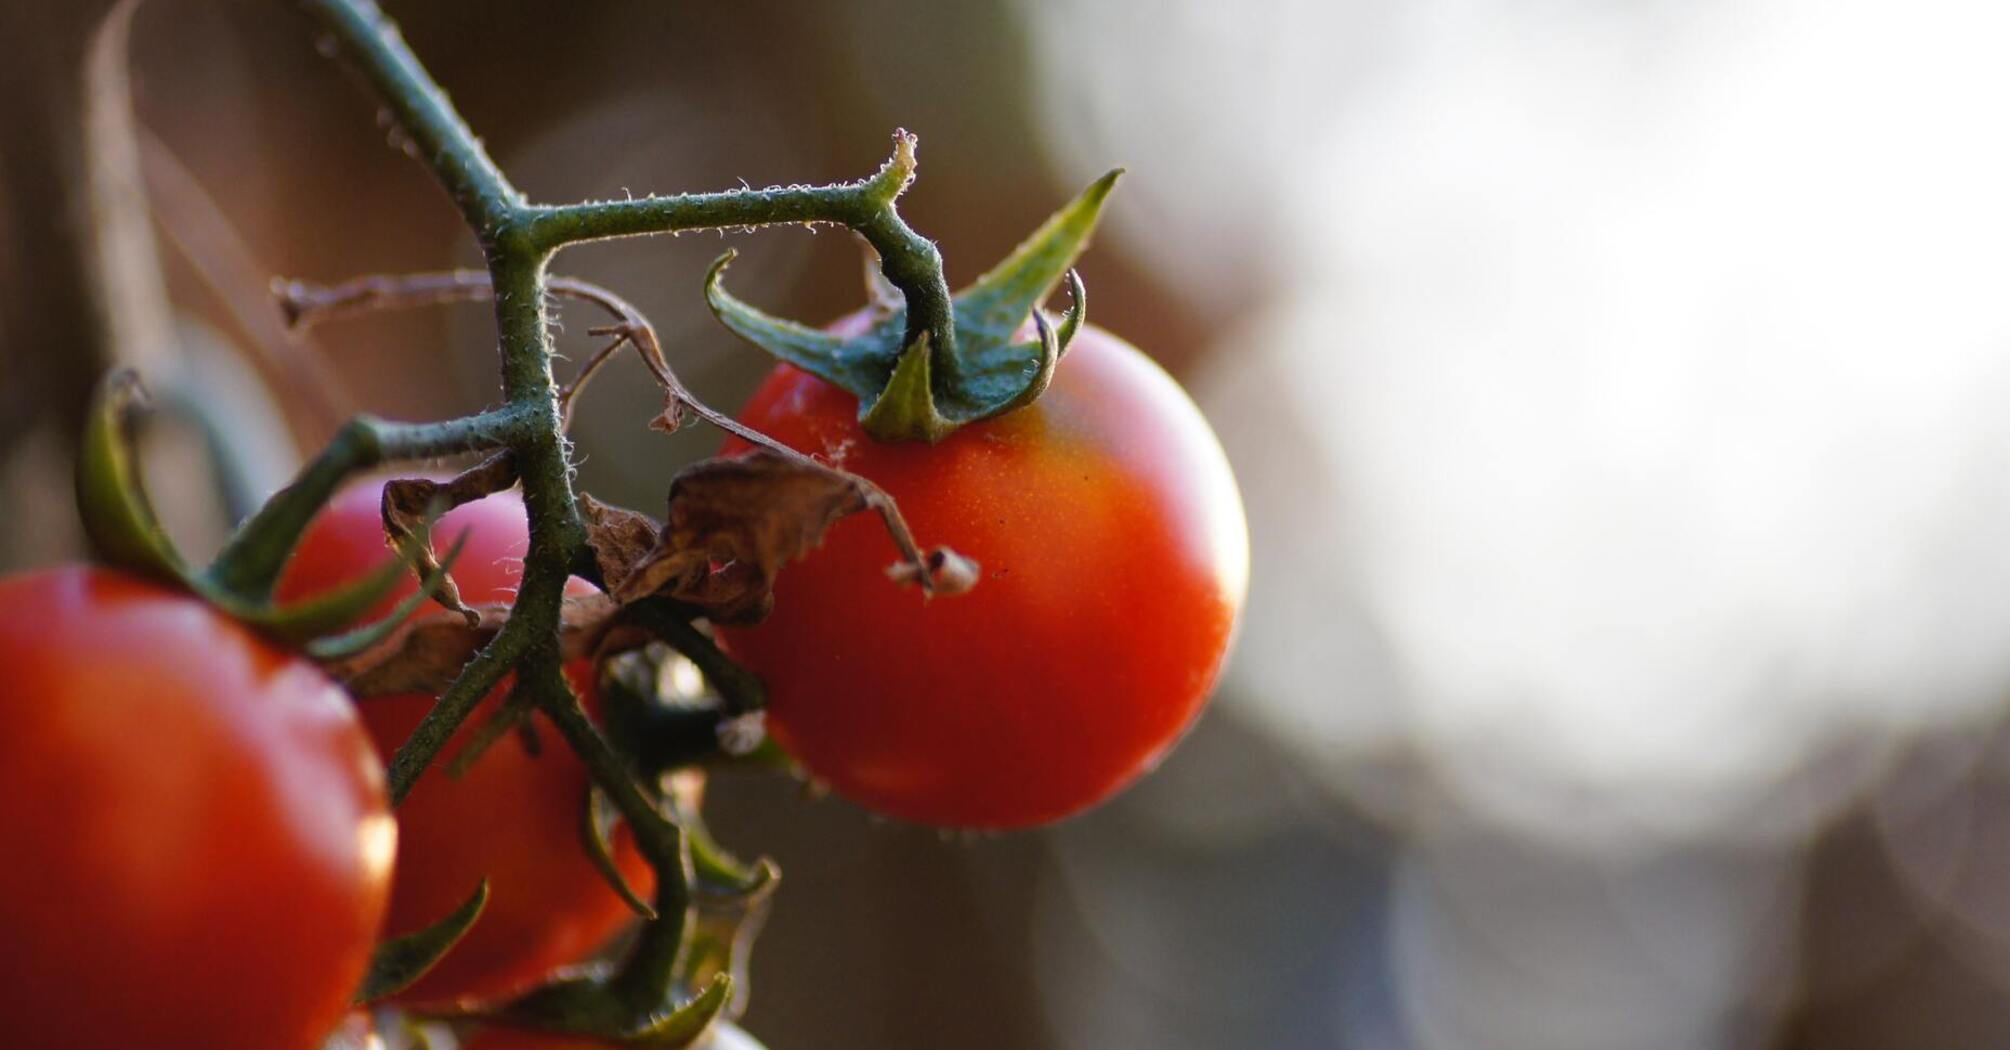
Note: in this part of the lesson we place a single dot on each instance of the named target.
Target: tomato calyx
(123, 530)
(688, 966)
(399, 962)
(913, 390)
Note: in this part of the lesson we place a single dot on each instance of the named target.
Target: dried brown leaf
(732, 525)
(620, 538)
(428, 652)
(407, 503)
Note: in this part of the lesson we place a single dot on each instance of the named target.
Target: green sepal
(124, 531)
(912, 391)
(719, 942)
(598, 819)
(993, 308)
(318, 623)
(581, 1005)
(716, 869)
(254, 555)
(688, 1023)
(730, 898)
(118, 518)
(400, 961)
(906, 403)
(860, 364)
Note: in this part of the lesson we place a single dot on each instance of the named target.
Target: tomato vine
(921, 364)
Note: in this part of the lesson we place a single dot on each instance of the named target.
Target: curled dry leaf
(427, 653)
(734, 522)
(619, 538)
(409, 501)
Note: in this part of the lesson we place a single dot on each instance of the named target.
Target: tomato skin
(514, 816)
(1114, 557)
(198, 842)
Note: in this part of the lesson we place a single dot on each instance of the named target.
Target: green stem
(496, 211)
(443, 141)
(652, 962)
(453, 708)
(739, 691)
(251, 562)
(554, 226)
(910, 261)
(557, 536)
(519, 239)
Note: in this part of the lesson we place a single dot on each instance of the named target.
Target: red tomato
(1114, 557)
(514, 817)
(198, 845)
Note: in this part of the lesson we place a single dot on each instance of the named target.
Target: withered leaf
(732, 525)
(408, 502)
(620, 538)
(428, 652)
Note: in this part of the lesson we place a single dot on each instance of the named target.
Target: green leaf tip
(401, 961)
(360, 639)
(688, 1023)
(597, 825)
(124, 531)
(861, 365)
(905, 406)
(118, 518)
(996, 304)
(583, 1005)
(913, 391)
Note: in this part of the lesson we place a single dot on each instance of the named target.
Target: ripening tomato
(1114, 557)
(514, 817)
(198, 844)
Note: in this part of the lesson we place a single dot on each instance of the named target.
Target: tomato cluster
(208, 857)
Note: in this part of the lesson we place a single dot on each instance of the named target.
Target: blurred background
(1615, 386)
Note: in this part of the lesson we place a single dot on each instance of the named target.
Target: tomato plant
(203, 852)
(513, 816)
(198, 842)
(1113, 554)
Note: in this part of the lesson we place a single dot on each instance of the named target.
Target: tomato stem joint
(914, 390)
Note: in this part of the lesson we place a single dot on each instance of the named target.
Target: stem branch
(518, 240)
(438, 136)
(910, 261)
(251, 561)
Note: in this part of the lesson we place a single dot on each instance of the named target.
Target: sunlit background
(1618, 393)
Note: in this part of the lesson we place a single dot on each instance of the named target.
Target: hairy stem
(440, 139)
(518, 240)
(453, 708)
(910, 261)
(652, 961)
